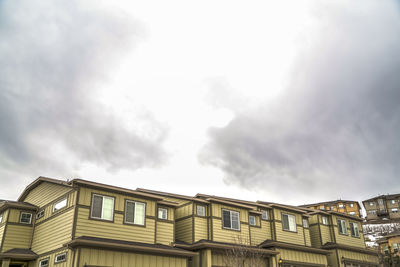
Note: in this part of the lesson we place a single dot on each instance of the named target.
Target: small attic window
(25, 218)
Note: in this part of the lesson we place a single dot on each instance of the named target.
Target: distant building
(350, 207)
(383, 207)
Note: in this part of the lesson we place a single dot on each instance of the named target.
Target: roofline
(332, 202)
(351, 248)
(166, 194)
(129, 247)
(272, 244)
(17, 256)
(217, 200)
(17, 205)
(245, 202)
(288, 207)
(37, 182)
(389, 196)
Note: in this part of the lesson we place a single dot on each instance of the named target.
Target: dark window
(226, 217)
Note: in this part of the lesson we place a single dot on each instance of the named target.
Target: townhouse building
(80, 223)
(350, 207)
(390, 245)
(383, 207)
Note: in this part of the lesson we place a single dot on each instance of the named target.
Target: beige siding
(348, 239)
(201, 228)
(53, 233)
(220, 259)
(306, 257)
(357, 256)
(1, 235)
(85, 198)
(217, 211)
(17, 236)
(45, 193)
(315, 236)
(230, 236)
(114, 230)
(325, 233)
(184, 230)
(48, 209)
(177, 200)
(287, 236)
(96, 257)
(165, 233)
(307, 237)
(333, 258)
(52, 257)
(259, 235)
(184, 211)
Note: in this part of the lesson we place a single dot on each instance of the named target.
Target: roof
(37, 182)
(165, 194)
(246, 202)
(331, 202)
(287, 207)
(19, 254)
(330, 245)
(5, 204)
(222, 245)
(278, 244)
(388, 196)
(96, 242)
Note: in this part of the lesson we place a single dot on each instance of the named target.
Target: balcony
(382, 213)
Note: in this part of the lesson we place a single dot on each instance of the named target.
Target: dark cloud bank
(53, 55)
(335, 132)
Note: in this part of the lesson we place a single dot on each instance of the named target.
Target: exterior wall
(348, 239)
(299, 256)
(356, 256)
(3, 227)
(219, 259)
(97, 257)
(15, 234)
(288, 236)
(54, 228)
(200, 228)
(116, 229)
(164, 233)
(260, 233)
(45, 193)
(184, 230)
(221, 234)
(52, 256)
(314, 230)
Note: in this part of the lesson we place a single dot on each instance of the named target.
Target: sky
(289, 101)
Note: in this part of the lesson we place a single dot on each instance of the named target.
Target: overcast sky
(285, 101)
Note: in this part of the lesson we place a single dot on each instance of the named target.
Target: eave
(277, 244)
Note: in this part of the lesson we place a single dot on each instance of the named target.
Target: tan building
(350, 207)
(389, 247)
(382, 207)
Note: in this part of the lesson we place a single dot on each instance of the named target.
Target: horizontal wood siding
(53, 233)
(200, 229)
(114, 230)
(165, 233)
(259, 235)
(184, 211)
(85, 198)
(184, 230)
(333, 258)
(357, 256)
(1, 235)
(348, 239)
(14, 215)
(45, 193)
(17, 236)
(307, 237)
(52, 258)
(219, 259)
(287, 236)
(48, 209)
(306, 257)
(325, 233)
(315, 236)
(217, 211)
(96, 257)
(230, 236)
(177, 200)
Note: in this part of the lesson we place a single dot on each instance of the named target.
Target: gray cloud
(53, 57)
(334, 132)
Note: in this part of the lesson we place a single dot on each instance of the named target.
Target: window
(322, 208)
(289, 222)
(40, 214)
(342, 227)
(230, 219)
(135, 212)
(395, 210)
(25, 218)
(264, 215)
(1, 218)
(163, 213)
(60, 257)
(44, 262)
(305, 223)
(354, 229)
(332, 207)
(102, 207)
(340, 205)
(371, 203)
(352, 213)
(60, 204)
(351, 205)
(371, 211)
(252, 220)
(325, 220)
(201, 210)
(393, 201)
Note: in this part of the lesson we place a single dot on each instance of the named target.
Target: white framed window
(60, 257)
(60, 204)
(341, 206)
(332, 207)
(40, 214)
(163, 213)
(264, 215)
(25, 218)
(352, 213)
(351, 205)
(135, 212)
(289, 222)
(305, 222)
(395, 210)
(371, 203)
(200, 210)
(1, 218)
(342, 227)
(393, 201)
(44, 262)
(230, 219)
(102, 207)
(324, 220)
(371, 211)
(354, 229)
(252, 220)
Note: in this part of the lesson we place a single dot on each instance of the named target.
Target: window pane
(59, 205)
(305, 223)
(97, 205)
(264, 215)
(108, 208)
(226, 219)
(130, 212)
(162, 213)
(201, 210)
(26, 218)
(285, 222)
(139, 213)
(235, 220)
(292, 223)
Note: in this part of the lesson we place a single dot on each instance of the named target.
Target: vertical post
(5, 263)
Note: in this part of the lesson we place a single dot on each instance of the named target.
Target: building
(81, 223)
(350, 207)
(390, 244)
(383, 207)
